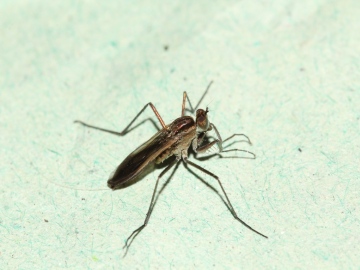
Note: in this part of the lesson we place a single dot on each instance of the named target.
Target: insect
(172, 140)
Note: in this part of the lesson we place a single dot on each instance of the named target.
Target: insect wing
(140, 158)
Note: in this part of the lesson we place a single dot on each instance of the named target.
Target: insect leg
(126, 129)
(238, 134)
(232, 210)
(183, 103)
(219, 141)
(204, 148)
(185, 96)
(132, 236)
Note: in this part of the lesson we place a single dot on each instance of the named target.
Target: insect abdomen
(164, 155)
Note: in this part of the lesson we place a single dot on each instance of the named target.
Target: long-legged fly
(172, 140)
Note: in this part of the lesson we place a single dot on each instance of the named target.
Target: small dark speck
(83, 199)
(46, 220)
(300, 150)
(166, 47)
(302, 69)
(185, 78)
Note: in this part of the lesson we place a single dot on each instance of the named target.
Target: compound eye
(202, 121)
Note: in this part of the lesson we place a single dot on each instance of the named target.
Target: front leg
(196, 144)
(201, 149)
(198, 148)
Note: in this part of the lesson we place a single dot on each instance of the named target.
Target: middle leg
(148, 214)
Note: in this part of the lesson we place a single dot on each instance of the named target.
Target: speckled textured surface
(286, 74)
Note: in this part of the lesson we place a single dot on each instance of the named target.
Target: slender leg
(220, 141)
(239, 150)
(185, 96)
(126, 129)
(232, 136)
(151, 207)
(183, 103)
(238, 134)
(198, 148)
(232, 210)
(198, 141)
(205, 147)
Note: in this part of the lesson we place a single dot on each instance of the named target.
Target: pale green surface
(286, 73)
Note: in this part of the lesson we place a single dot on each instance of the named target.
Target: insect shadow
(167, 148)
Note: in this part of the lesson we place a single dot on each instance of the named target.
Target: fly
(172, 140)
